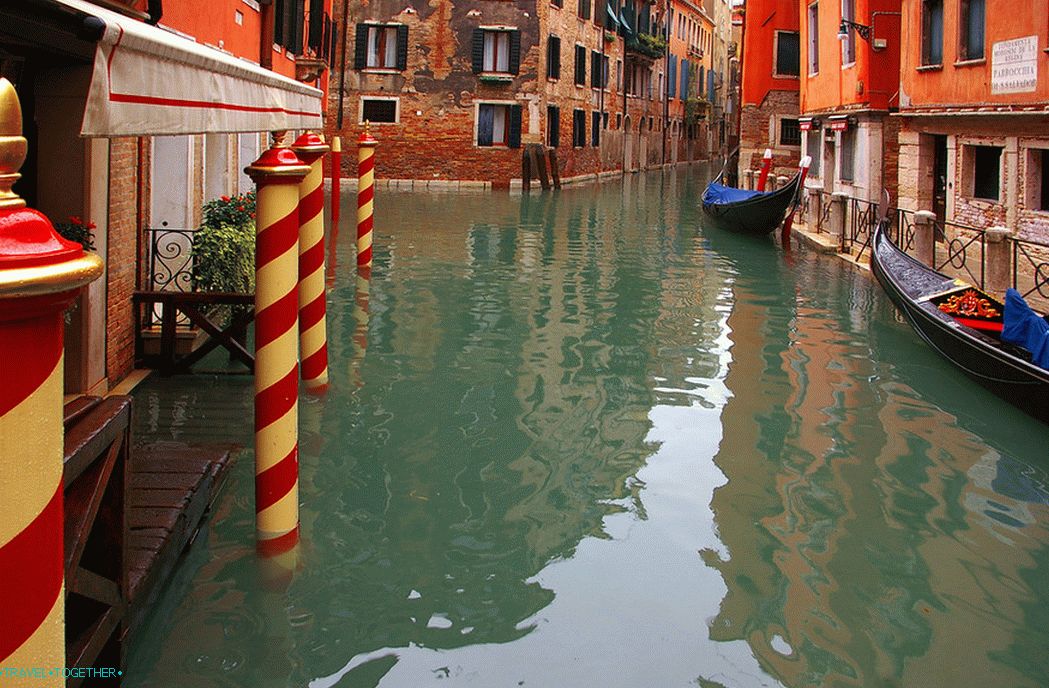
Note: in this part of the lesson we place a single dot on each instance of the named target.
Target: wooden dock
(131, 512)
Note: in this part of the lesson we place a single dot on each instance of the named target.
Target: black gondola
(751, 212)
(970, 338)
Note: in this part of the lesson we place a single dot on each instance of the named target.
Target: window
(498, 125)
(672, 77)
(382, 110)
(557, 3)
(595, 128)
(584, 9)
(684, 80)
(580, 65)
(789, 132)
(985, 165)
(847, 154)
(553, 126)
(598, 76)
(970, 44)
(289, 19)
(814, 38)
(496, 51)
(848, 46)
(553, 57)
(787, 54)
(1042, 159)
(381, 46)
(812, 149)
(932, 32)
(578, 128)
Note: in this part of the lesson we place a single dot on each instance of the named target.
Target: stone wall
(758, 125)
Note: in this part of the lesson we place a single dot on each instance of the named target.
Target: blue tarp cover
(1026, 328)
(716, 193)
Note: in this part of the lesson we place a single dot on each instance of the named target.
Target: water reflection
(575, 439)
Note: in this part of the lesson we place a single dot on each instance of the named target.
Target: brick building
(454, 90)
(850, 66)
(771, 61)
(138, 112)
(974, 111)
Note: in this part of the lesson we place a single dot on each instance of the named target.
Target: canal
(577, 439)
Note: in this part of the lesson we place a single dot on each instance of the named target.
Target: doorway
(939, 177)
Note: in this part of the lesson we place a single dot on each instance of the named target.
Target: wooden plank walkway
(171, 487)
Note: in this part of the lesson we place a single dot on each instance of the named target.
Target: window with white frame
(971, 26)
(788, 57)
(814, 38)
(848, 45)
(380, 110)
(498, 124)
(847, 155)
(381, 46)
(789, 132)
(496, 51)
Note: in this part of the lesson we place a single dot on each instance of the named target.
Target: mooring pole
(277, 174)
(766, 167)
(40, 275)
(365, 195)
(336, 178)
(313, 333)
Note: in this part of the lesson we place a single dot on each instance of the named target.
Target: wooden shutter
(298, 25)
(553, 57)
(334, 38)
(553, 125)
(279, 17)
(477, 51)
(672, 77)
(316, 40)
(360, 47)
(595, 128)
(514, 139)
(515, 51)
(595, 69)
(402, 46)
(584, 9)
(580, 65)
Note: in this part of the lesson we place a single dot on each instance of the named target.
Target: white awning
(149, 81)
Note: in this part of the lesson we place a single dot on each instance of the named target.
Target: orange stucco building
(690, 42)
(849, 86)
(769, 89)
(974, 111)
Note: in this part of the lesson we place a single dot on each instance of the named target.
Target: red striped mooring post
(277, 174)
(766, 167)
(40, 275)
(365, 195)
(313, 333)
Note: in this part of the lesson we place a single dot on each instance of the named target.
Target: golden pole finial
(13, 145)
(278, 139)
(367, 128)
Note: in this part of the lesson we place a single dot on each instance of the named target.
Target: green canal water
(579, 439)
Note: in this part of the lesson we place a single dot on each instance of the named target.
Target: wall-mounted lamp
(862, 29)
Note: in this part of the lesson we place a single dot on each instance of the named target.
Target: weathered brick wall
(890, 156)
(121, 257)
(438, 91)
(756, 123)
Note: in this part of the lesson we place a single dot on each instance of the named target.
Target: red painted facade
(762, 20)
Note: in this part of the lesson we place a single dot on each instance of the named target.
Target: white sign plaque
(1014, 66)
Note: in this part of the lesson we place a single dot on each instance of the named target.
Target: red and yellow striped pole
(365, 195)
(360, 329)
(313, 332)
(277, 174)
(40, 275)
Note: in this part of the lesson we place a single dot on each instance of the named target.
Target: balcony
(646, 45)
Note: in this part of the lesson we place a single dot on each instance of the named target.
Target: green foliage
(79, 231)
(224, 258)
(229, 211)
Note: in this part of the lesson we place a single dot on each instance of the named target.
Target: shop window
(983, 171)
(847, 155)
(499, 125)
(789, 132)
(970, 43)
(812, 149)
(553, 57)
(578, 128)
(814, 38)
(381, 46)
(788, 60)
(932, 32)
(496, 51)
(379, 110)
(553, 126)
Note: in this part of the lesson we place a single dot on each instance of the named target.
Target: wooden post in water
(40, 275)
(526, 171)
(554, 172)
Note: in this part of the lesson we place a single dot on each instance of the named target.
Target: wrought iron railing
(952, 249)
(170, 259)
(1030, 275)
(861, 219)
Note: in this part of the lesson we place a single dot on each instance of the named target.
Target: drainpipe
(342, 68)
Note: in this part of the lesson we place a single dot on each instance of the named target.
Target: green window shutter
(553, 57)
(515, 51)
(514, 139)
(402, 47)
(360, 47)
(477, 52)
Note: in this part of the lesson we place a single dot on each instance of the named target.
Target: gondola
(751, 212)
(961, 323)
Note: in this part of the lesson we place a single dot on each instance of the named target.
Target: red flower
(91, 225)
(240, 208)
(75, 219)
(226, 199)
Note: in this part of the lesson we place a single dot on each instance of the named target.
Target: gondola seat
(1024, 327)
